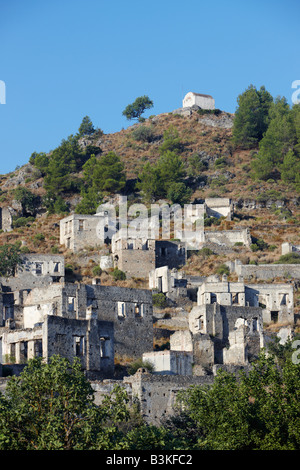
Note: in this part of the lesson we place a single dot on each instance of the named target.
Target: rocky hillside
(270, 209)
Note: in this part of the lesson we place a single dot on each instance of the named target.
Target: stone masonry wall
(228, 237)
(265, 271)
(129, 309)
(79, 231)
(81, 338)
(157, 393)
(5, 219)
(135, 263)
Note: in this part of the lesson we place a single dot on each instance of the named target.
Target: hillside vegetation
(175, 157)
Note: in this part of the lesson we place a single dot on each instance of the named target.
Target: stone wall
(170, 253)
(265, 272)
(78, 231)
(170, 362)
(129, 309)
(228, 237)
(276, 301)
(157, 393)
(219, 207)
(20, 345)
(222, 292)
(5, 219)
(289, 248)
(92, 341)
(36, 270)
(135, 263)
(169, 282)
(40, 302)
(138, 257)
(214, 324)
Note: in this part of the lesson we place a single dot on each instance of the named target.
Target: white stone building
(203, 101)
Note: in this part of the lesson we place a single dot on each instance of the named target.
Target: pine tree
(251, 117)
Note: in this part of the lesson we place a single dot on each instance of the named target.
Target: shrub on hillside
(118, 275)
(259, 245)
(140, 364)
(205, 251)
(289, 258)
(143, 134)
(159, 300)
(97, 271)
(22, 221)
(223, 269)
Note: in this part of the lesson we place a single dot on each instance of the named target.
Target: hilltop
(225, 170)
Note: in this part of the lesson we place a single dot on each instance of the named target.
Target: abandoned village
(208, 320)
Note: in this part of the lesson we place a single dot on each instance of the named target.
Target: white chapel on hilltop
(203, 101)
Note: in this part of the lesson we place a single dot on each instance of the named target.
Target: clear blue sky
(64, 59)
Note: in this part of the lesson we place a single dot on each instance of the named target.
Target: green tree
(100, 175)
(289, 258)
(150, 183)
(51, 406)
(159, 300)
(54, 203)
(223, 269)
(138, 364)
(255, 411)
(105, 174)
(196, 165)
(164, 179)
(171, 141)
(28, 200)
(295, 112)
(290, 167)
(10, 259)
(65, 161)
(91, 198)
(251, 117)
(143, 134)
(278, 139)
(171, 168)
(118, 275)
(262, 166)
(179, 193)
(40, 161)
(137, 108)
(86, 127)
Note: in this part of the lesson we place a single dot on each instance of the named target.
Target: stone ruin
(289, 248)
(222, 330)
(137, 257)
(266, 272)
(41, 317)
(170, 282)
(227, 238)
(36, 270)
(6, 220)
(219, 207)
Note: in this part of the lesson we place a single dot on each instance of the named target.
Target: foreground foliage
(260, 411)
(51, 407)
